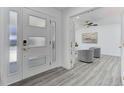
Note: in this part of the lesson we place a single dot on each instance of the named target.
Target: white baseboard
(111, 54)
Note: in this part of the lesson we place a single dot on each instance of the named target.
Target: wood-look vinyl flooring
(104, 71)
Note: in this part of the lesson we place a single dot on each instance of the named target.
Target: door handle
(53, 44)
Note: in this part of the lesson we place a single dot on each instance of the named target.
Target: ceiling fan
(88, 24)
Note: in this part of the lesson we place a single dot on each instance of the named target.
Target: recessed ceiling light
(77, 17)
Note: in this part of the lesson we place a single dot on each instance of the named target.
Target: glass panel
(53, 41)
(37, 41)
(36, 61)
(38, 22)
(12, 42)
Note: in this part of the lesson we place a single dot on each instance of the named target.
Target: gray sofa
(86, 55)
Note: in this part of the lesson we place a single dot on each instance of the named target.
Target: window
(12, 42)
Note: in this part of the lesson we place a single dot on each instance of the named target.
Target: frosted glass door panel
(38, 22)
(37, 41)
(36, 61)
(12, 41)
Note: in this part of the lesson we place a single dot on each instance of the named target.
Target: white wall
(66, 14)
(109, 38)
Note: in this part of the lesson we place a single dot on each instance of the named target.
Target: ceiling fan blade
(95, 24)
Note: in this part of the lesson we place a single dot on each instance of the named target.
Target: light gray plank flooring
(104, 71)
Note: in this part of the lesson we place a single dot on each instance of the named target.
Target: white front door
(36, 42)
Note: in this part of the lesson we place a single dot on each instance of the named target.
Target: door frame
(122, 48)
(72, 52)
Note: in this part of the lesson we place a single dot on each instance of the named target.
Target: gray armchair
(97, 52)
(85, 55)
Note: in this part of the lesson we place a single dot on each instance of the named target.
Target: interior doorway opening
(99, 30)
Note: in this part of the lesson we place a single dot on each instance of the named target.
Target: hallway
(105, 71)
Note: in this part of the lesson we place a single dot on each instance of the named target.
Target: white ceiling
(101, 16)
